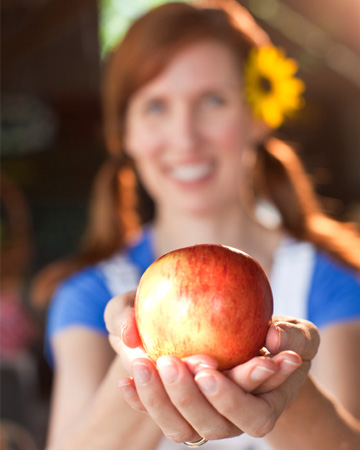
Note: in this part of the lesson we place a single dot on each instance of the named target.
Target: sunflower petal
(271, 88)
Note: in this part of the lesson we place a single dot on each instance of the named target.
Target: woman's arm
(326, 411)
(315, 421)
(337, 364)
(87, 408)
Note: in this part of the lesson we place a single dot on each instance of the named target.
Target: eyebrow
(206, 89)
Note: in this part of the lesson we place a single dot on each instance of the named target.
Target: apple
(204, 299)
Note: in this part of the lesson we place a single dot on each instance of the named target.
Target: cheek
(229, 136)
(143, 145)
(141, 142)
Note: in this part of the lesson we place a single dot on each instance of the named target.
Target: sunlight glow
(116, 16)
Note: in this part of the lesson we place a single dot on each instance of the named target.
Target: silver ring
(202, 441)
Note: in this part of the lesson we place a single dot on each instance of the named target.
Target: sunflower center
(265, 84)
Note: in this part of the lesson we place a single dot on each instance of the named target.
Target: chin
(198, 208)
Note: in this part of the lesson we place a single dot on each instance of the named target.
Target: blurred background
(52, 144)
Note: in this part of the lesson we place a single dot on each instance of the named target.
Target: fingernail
(127, 388)
(202, 366)
(168, 370)
(283, 338)
(292, 363)
(141, 372)
(123, 329)
(207, 383)
(261, 373)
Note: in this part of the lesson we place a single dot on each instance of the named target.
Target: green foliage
(117, 15)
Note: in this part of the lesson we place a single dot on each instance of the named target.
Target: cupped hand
(123, 335)
(190, 398)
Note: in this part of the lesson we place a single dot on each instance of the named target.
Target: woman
(175, 113)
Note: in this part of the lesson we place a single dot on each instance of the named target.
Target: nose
(183, 133)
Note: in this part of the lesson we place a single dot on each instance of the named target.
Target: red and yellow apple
(205, 299)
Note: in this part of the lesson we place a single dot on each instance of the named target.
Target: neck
(232, 227)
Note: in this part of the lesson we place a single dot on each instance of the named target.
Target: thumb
(120, 320)
(300, 336)
(129, 332)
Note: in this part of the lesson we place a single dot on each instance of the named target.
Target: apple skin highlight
(205, 299)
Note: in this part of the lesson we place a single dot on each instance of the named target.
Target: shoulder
(335, 277)
(83, 281)
(79, 300)
(334, 293)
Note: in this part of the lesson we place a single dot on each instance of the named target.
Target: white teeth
(191, 172)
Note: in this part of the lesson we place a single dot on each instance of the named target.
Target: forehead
(206, 64)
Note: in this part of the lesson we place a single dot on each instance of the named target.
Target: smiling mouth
(189, 173)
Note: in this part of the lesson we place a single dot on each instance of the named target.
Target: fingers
(113, 314)
(254, 414)
(130, 334)
(198, 362)
(114, 308)
(287, 363)
(129, 392)
(193, 363)
(263, 373)
(283, 396)
(300, 336)
(248, 412)
(253, 373)
(129, 355)
(120, 321)
(171, 397)
(156, 402)
(188, 399)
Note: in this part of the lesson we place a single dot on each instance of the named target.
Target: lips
(190, 173)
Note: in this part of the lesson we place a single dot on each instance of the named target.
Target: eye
(214, 99)
(155, 107)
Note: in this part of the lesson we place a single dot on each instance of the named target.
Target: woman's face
(187, 128)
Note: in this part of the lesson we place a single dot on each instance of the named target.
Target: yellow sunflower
(270, 86)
